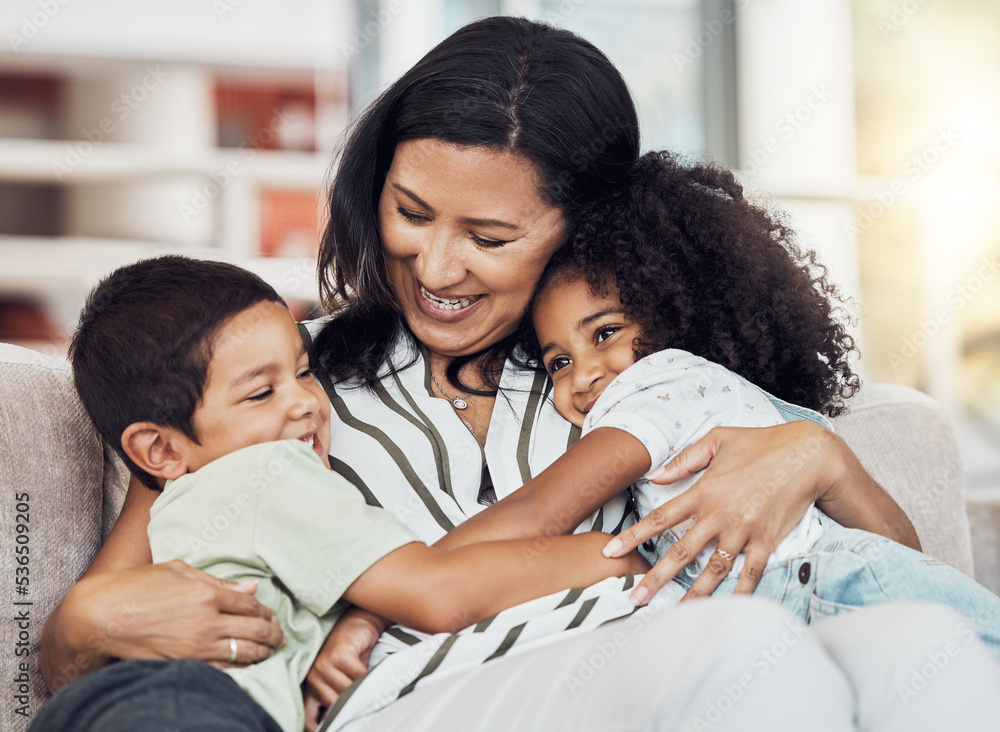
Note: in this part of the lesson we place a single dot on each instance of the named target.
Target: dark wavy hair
(508, 84)
(141, 350)
(700, 268)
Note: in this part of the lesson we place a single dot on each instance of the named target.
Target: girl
(629, 349)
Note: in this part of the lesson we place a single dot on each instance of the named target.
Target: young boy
(196, 373)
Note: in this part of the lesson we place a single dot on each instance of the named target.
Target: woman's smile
(466, 236)
(447, 309)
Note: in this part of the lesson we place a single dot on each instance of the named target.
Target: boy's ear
(156, 449)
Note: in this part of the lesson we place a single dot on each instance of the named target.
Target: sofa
(65, 487)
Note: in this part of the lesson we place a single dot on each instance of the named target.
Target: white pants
(723, 664)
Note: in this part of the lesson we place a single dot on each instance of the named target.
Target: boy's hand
(341, 661)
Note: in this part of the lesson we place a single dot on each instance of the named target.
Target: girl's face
(585, 342)
(466, 236)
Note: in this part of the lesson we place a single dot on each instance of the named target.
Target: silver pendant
(459, 403)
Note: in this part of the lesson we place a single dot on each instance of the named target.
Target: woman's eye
(559, 362)
(487, 243)
(260, 395)
(606, 332)
(413, 218)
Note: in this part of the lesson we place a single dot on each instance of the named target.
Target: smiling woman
(466, 236)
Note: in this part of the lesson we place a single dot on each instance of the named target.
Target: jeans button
(804, 572)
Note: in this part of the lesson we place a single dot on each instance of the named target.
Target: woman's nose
(439, 263)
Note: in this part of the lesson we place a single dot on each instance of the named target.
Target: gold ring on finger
(725, 555)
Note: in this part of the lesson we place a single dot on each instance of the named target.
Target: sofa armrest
(905, 441)
(53, 470)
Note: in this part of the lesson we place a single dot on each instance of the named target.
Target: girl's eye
(559, 362)
(487, 243)
(260, 396)
(413, 218)
(306, 373)
(606, 332)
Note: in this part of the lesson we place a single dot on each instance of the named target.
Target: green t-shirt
(275, 513)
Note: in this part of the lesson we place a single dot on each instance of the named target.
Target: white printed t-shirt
(669, 400)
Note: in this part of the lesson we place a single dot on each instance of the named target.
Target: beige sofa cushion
(906, 442)
(50, 452)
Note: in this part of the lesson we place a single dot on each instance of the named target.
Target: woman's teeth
(445, 304)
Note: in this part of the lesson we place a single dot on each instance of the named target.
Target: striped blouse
(410, 453)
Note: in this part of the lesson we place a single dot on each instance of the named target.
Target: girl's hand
(342, 660)
(758, 484)
(170, 610)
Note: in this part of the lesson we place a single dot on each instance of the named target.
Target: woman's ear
(156, 449)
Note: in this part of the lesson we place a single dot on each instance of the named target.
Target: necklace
(457, 402)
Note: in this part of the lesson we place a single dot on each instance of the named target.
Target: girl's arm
(598, 467)
(439, 590)
(126, 607)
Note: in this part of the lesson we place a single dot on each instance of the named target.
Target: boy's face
(259, 388)
(585, 342)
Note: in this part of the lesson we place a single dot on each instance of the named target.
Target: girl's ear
(156, 449)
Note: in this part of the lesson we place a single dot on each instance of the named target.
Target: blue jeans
(849, 568)
(184, 696)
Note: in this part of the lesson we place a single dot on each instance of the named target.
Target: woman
(452, 192)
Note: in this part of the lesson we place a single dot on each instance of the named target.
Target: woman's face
(466, 237)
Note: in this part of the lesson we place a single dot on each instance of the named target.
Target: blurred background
(130, 128)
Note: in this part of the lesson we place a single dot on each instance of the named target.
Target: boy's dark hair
(142, 348)
(700, 268)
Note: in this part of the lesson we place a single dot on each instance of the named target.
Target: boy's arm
(444, 590)
(363, 554)
(598, 467)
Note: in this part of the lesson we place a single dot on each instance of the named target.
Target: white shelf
(61, 271)
(253, 34)
(69, 162)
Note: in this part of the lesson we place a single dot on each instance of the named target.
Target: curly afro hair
(700, 268)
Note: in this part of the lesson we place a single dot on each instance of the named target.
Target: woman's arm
(854, 499)
(757, 485)
(126, 607)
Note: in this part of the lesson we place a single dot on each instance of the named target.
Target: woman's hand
(161, 611)
(758, 484)
(341, 661)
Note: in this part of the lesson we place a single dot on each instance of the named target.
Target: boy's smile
(259, 388)
(585, 342)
